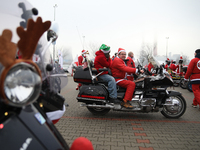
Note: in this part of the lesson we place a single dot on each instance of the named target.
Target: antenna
(80, 37)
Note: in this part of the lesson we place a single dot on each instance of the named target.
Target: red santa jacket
(101, 61)
(193, 70)
(80, 60)
(172, 67)
(119, 69)
(150, 66)
(130, 62)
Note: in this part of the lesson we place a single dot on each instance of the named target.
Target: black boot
(114, 100)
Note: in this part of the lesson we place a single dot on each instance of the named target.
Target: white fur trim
(105, 51)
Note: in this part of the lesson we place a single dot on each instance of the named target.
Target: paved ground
(130, 131)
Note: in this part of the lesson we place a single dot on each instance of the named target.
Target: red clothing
(172, 67)
(150, 66)
(101, 61)
(196, 91)
(193, 70)
(80, 60)
(166, 67)
(130, 63)
(178, 69)
(119, 70)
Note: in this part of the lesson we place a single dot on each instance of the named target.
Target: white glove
(185, 79)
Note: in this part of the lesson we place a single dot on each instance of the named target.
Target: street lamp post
(166, 46)
(54, 43)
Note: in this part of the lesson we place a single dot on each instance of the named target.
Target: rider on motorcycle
(119, 72)
(103, 60)
(130, 63)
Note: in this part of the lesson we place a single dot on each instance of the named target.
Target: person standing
(193, 72)
(103, 60)
(119, 70)
(130, 63)
(167, 65)
(179, 67)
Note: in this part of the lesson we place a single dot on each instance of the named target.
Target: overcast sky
(125, 23)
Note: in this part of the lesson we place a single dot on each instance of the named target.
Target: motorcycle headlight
(22, 85)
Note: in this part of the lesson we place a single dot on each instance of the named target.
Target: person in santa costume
(150, 66)
(103, 60)
(80, 58)
(80, 62)
(179, 67)
(130, 63)
(173, 65)
(167, 65)
(193, 72)
(119, 71)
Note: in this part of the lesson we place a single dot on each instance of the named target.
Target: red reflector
(1, 126)
(95, 97)
(83, 80)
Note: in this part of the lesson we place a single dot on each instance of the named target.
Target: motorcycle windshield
(154, 62)
(15, 13)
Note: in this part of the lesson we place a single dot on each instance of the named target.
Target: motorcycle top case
(93, 92)
(82, 76)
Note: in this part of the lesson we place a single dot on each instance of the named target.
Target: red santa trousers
(130, 87)
(196, 91)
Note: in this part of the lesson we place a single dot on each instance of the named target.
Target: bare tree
(93, 47)
(145, 53)
(66, 54)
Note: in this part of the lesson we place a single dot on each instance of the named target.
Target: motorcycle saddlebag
(98, 92)
(82, 76)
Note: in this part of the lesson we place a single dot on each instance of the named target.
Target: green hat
(104, 48)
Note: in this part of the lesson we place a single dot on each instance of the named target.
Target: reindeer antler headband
(27, 45)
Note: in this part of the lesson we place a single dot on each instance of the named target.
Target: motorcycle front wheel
(176, 110)
(98, 111)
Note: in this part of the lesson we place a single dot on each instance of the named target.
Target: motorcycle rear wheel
(98, 111)
(183, 84)
(175, 111)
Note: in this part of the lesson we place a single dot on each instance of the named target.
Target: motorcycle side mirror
(49, 67)
(52, 33)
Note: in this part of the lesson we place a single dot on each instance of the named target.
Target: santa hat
(82, 143)
(121, 50)
(84, 51)
(104, 48)
(181, 58)
(167, 60)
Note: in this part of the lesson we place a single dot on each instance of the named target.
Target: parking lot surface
(130, 131)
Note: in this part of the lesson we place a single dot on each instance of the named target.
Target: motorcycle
(150, 95)
(23, 124)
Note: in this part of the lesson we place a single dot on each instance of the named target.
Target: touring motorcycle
(150, 95)
(23, 124)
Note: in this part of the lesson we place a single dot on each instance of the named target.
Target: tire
(183, 84)
(175, 111)
(176, 84)
(98, 111)
(189, 86)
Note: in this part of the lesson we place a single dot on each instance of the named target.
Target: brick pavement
(130, 131)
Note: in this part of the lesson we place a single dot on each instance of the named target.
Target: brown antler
(7, 48)
(29, 38)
